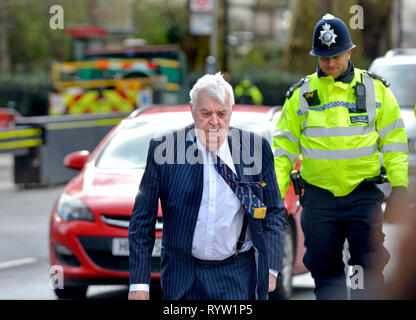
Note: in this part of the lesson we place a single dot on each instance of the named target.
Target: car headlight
(70, 208)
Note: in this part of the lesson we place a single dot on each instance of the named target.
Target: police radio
(298, 182)
(360, 95)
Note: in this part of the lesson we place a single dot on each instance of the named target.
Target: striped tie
(243, 190)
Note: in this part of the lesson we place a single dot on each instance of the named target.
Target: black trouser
(326, 222)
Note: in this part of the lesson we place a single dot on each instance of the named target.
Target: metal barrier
(16, 139)
(40, 144)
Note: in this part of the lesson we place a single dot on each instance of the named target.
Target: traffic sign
(201, 6)
(201, 24)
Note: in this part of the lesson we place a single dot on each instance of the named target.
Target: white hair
(215, 86)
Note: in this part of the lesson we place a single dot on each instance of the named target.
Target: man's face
(212, 120)
(335, 66)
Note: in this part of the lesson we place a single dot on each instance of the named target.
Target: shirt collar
(346, 77)
(221, 151)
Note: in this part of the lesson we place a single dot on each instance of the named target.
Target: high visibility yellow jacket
(340, 143)
(245, 88)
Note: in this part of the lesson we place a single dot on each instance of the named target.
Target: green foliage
(272, 83)
(29, 93)
(262, 65)
(159, 22)
(33, 44)
(28, 45)
(258, 57)
(255, 58)
(149, 23)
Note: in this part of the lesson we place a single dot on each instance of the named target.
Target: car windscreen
(402, 80)
(127, 149)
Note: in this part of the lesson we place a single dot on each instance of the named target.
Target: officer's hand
(397, 206)
(272, 282)
(139, 295)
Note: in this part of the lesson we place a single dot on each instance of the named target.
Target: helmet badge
(327, 35)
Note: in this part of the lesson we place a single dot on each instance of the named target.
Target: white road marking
(17, 262)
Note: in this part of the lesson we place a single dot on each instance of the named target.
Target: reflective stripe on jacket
(339, 145)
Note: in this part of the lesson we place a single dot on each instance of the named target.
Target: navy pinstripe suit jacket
(178, 183)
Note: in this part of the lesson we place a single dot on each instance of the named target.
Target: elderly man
(218, 212)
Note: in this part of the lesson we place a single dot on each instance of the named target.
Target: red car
(89, 222)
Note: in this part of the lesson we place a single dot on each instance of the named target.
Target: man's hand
(397, 206)
(139, 295)
(272, 282)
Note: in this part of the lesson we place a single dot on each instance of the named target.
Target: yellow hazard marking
(20, 144)
(172, 86)
(83, 124)
(108, 122)
(20, 133)
(89, 84)
(166, 63)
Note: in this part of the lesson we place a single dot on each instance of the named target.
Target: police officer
(338, 119)
(247, 93)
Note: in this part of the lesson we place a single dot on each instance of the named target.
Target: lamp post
(214, 35)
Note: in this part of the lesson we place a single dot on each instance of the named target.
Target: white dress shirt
(220, 216)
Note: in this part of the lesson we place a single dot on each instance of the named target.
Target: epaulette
(294, 87)
(376, 76)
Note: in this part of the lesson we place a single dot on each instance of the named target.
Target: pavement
(6, 171)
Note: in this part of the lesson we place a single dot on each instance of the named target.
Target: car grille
(98, 250)
(116, 221)
(123, 221)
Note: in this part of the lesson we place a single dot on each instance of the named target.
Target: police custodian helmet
(330, 37)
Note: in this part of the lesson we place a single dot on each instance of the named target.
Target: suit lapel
(193, 161)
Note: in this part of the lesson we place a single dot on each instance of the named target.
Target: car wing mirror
(77, 159)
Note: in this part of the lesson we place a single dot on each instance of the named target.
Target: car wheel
(72, 292)
(284, 285)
